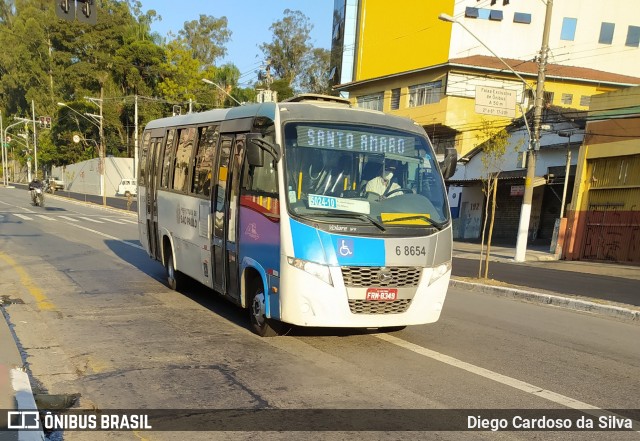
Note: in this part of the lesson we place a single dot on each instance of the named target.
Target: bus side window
(260, 187)
(223, 169)
(142, 167)
(168, 159)
(201, 184)
(183, 159)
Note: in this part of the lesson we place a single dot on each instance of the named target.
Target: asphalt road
(614, 289)
(94, 317)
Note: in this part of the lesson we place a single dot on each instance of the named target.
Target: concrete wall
(84, 177)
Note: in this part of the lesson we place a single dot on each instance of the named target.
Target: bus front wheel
(260, 324)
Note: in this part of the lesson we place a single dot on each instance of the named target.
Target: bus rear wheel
(174, 277)
(260, 324)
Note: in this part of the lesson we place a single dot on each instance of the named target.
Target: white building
(584, 33)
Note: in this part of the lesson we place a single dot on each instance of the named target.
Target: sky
(249, 22)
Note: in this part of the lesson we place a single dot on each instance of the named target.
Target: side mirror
(448, 164)
(256, 146)
(255, 154)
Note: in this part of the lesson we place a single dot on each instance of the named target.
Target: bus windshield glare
(388, 177)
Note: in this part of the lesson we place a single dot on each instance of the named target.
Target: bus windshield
(375, 174)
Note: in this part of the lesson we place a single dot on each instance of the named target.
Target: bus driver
(383, 184)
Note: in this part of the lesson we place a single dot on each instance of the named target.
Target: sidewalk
(15, 388)
(597, 287)
(539, 256)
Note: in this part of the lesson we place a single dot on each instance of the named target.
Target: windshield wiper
(371, 219)
(433, 223)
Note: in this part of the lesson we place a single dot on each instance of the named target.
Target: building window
(427, 93)
(633, 36)
(395, 99)
(568, 29)
(373, 101)
(606, 33)
(548, 98)
(495, 15)
(585, 100)
(521, 17)
(471, 12)
(483, 13)
(567, 98)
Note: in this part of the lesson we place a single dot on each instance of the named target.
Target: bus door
(152, 178)
(225, 219)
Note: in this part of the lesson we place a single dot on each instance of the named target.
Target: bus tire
(174, 277)
(260, 324)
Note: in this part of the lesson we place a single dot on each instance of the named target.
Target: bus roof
(321, 111)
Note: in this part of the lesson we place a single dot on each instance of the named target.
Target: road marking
(91, 220)
(69, 218)
(45, 217)
(108, 236)
(129, 221)
(112, 220)
(43, 303)
(22, 216)
(499, 378)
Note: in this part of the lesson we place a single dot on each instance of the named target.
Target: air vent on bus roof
(315, 97)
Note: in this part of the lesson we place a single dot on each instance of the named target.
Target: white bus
(305, 212)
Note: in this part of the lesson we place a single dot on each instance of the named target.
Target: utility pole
(527, 199)
(35, 139)
(5, 159)
(101, 147)
(135, 136)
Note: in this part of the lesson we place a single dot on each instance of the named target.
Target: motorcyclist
(37, 184)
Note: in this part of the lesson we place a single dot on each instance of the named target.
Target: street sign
(495, 101)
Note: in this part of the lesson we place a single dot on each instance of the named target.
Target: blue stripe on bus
(336, 249)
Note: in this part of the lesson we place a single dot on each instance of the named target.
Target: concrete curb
(618, 312)
(15, 387)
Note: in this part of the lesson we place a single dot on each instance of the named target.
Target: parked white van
(127, 187)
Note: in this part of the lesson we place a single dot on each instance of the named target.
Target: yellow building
(604, 217)
(398, 57)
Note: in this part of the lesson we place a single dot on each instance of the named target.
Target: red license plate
(382, 294)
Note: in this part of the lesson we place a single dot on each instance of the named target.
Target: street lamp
(4, 137)
(450, 19)
(204, 80)
(101, 155)
(527, 199)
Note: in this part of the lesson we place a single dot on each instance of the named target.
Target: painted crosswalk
(70, 219)
(45, 217)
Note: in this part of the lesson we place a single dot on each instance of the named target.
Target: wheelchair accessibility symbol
(345, 247)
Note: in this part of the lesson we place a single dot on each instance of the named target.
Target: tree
(182, 73)
(289, 46)
(315, 77)
(206, 38)
(493, 152)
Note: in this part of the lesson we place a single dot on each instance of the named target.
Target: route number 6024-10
(408, 250)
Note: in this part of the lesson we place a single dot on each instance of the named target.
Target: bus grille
(365, 307)
(368, 276)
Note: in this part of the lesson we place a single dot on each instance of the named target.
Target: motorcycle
(37, 196)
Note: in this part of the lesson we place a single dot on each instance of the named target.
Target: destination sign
(354, 140)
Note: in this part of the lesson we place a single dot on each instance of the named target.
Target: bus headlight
(315, 269)
(440, 271)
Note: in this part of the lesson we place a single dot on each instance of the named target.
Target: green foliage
(494, 147)
(46, 61)
(206, 38)
(315, 77)
(289, 46)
